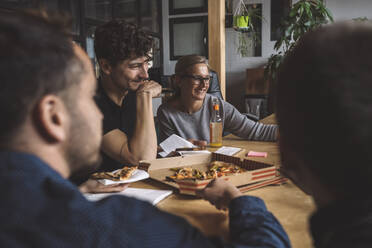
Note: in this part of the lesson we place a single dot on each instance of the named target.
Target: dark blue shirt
(39, 209)
(116, 117)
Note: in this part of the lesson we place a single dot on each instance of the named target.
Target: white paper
(228, 150)
(153, 196)
(163, 154)
(172, 143)
(187, 153)
(137, 175)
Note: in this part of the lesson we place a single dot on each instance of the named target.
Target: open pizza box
(160, 170)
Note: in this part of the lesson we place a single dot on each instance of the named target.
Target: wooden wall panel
(255, 83)
(216, 40)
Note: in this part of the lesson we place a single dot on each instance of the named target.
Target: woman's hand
(93, 186)
(200, 143)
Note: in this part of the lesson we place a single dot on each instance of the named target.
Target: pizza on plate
(119, 175)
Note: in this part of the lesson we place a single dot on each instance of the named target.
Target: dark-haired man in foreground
(52, 131)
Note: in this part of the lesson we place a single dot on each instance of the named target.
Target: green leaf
(301, 12)
(278, 44)
(328, 13)
(308, 11)
(304, 15)
(308, 23)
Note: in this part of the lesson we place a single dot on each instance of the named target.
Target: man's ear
(52, 118)
(105, 66)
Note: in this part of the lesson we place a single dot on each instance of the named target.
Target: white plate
(136, 176)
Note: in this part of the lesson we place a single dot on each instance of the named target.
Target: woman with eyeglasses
(188, 113)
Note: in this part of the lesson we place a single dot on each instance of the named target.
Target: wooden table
(288, 203)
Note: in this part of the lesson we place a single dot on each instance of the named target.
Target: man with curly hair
(125, 94)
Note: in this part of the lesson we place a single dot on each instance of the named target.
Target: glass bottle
(215, 125)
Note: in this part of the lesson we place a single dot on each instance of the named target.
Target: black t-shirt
(116, 117)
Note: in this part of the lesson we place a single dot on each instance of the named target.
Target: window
(187, 6)
(88, 14)
(279, 9)
(127, 9)
(150, 12)
(188, 36)
(71, 7)
(15, 4)
(98, 10)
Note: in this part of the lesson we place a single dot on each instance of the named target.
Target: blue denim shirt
(39, 208)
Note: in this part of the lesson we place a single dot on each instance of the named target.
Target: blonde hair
(185, 62)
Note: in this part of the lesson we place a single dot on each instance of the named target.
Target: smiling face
(191, 88)
(130, 74)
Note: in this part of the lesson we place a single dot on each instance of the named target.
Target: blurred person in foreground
(52, 131)
(324, 112)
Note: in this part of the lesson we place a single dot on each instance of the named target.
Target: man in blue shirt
(51, 130)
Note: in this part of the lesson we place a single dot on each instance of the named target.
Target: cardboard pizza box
(160, 169)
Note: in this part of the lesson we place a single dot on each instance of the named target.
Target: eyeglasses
(197, 80)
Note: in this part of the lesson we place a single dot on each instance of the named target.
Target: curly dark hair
(119, 40)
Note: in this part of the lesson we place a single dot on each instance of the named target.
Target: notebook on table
(153, 196)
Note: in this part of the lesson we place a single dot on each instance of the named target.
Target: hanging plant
(243, 22)
(304, 15)
(245, 44)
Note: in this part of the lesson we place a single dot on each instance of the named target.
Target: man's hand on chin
(150, 87)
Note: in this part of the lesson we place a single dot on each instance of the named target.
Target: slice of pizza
(122, 174)
(223, 168)
(126, 172)
(106, 175)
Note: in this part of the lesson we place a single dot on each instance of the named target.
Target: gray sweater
(196, 125)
